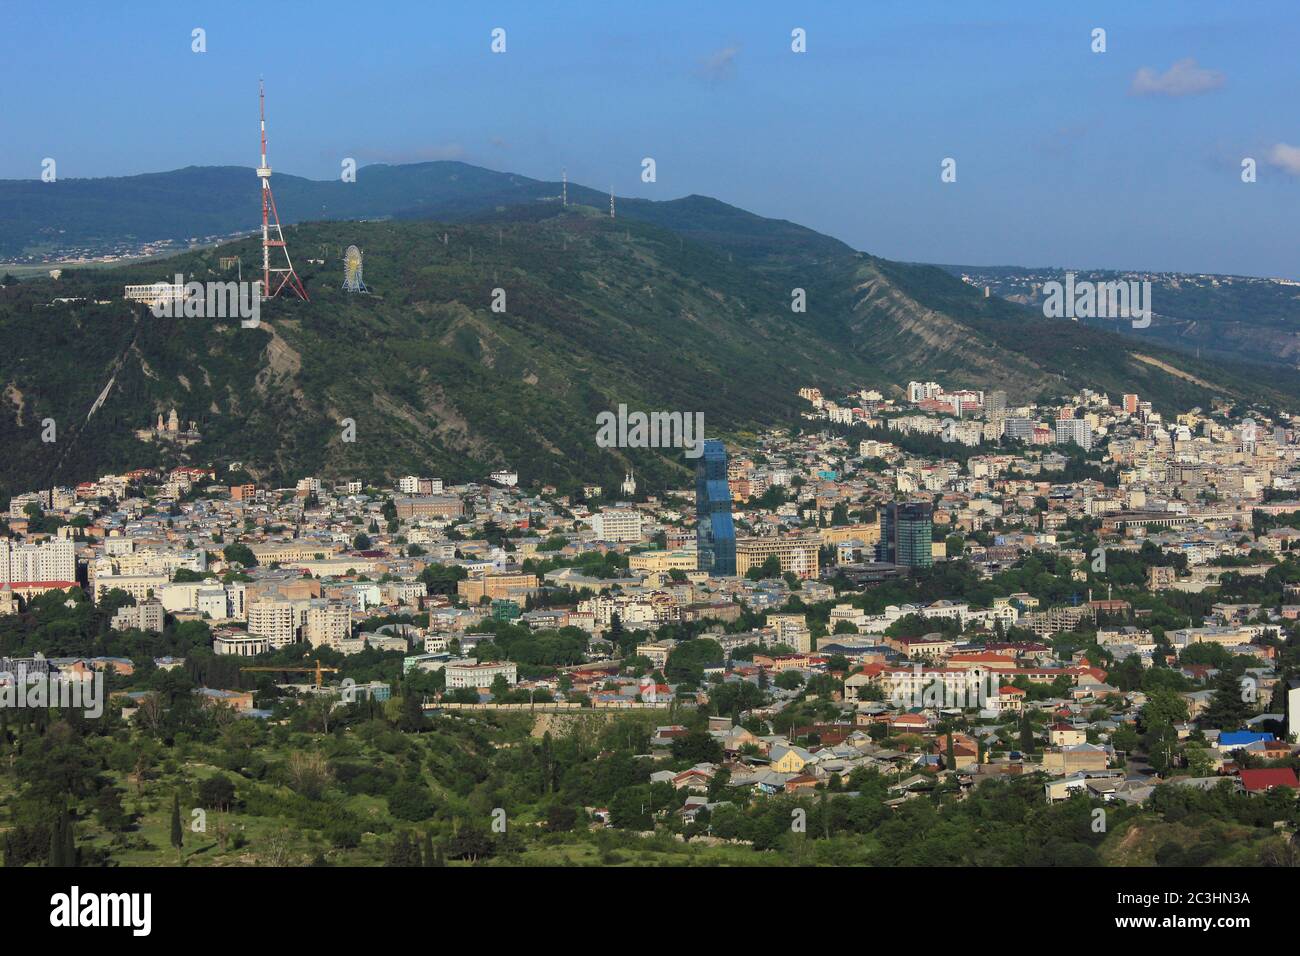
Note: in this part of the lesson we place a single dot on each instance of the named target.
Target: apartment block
(328, 623)
(617, 524)
(277, 621)
(53, 560)
(495, 586)
(798, 556)
(148, 616)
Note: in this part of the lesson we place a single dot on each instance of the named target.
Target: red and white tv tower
(271, 219)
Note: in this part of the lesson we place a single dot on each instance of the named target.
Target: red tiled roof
(1256, 780)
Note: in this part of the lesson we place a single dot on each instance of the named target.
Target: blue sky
(1128, 158)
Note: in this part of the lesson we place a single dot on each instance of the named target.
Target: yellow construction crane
(318, 670)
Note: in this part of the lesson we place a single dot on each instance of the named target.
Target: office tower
(906, 534)
(715, 534)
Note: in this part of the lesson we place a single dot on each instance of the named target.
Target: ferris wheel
(352, 280)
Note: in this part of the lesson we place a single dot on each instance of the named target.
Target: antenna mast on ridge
(270, 218)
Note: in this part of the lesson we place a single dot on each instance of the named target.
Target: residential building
(470, 673)
(617, 524)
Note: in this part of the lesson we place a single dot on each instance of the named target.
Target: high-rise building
(715, 533)
(52, 560)
(906, 534)
(1075, 430)
(277, 621)
(328, 623)
(1019, 429)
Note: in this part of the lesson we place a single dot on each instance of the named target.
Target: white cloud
(1286, 158)
(1184, 78)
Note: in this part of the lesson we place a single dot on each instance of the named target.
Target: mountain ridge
(680, 305)
(197, 201)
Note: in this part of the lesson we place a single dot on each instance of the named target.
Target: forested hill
(688, 312)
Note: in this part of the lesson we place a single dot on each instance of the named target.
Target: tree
(404, 851)
(1026, 734)
(109, 811)
(178, 834)
(686, 661)
(217, 792)
(410, 800)
(361, 543)
(63, 845)
(470, 842)
(698, 746)
(560, 817)
(616, 632)
(412, 720)
(308, 773)
(630, 809)
(789, 680)
(1161, 743)
(1198, 759)
(546, 759)
(770, 568)
(1228, 709)
(1164, 707)
(239, 554)
(442, 579)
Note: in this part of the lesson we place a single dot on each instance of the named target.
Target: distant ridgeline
(500, 338)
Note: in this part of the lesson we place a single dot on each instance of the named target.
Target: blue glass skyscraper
(715, 534)
(905, 534)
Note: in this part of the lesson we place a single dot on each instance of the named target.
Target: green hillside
(688, 313)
